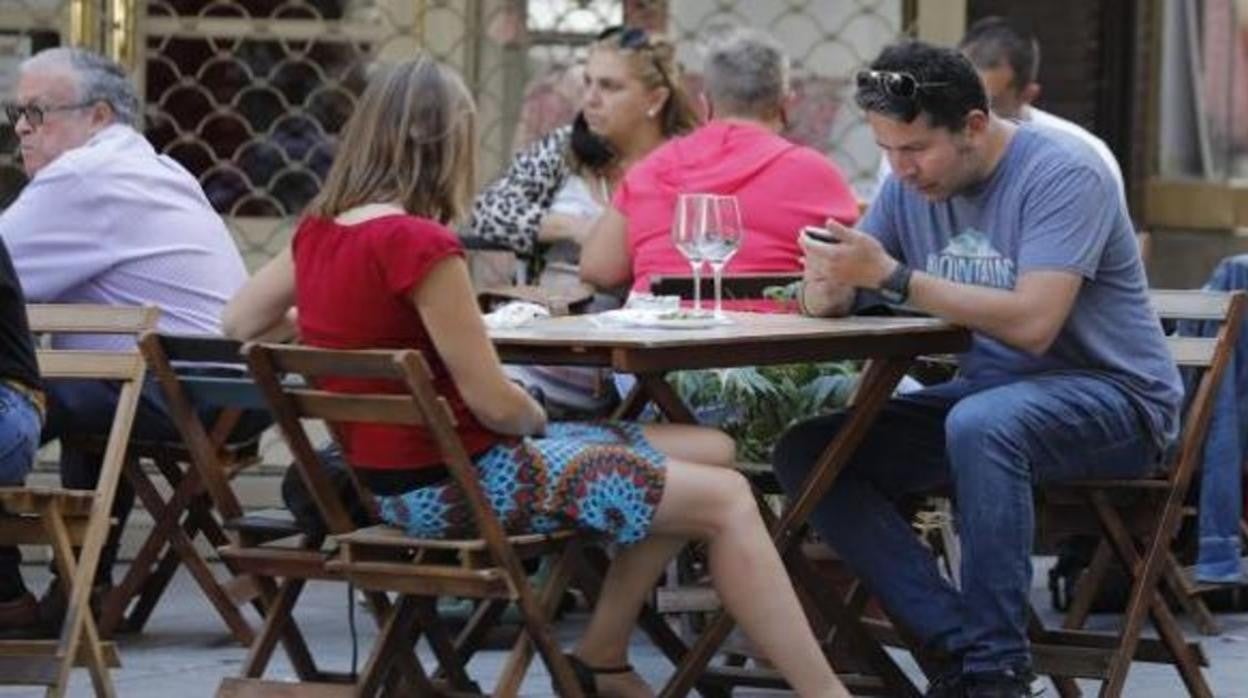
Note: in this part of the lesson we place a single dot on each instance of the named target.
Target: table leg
(879, 379)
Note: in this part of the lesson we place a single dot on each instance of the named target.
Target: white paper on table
(514, 314)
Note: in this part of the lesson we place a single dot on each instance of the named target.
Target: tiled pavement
(185, 651)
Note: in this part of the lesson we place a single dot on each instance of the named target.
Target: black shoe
(1003, 684)
(53, 605)
(948, 685)
(587, 676)
(19, 617)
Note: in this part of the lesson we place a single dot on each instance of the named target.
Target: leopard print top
(509, 211)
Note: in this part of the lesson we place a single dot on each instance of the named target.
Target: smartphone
(819, 234)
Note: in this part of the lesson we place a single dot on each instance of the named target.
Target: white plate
(650, 319)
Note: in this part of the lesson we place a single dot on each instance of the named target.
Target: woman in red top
(373, 265)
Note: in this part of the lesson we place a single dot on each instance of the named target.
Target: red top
(353, 289)
(779, 185)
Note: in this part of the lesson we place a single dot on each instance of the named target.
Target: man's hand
(855, 259)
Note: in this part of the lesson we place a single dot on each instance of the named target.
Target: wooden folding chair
(382, 558)
(197, 373)
(1137, 521)
(65, 519)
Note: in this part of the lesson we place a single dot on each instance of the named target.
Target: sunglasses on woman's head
(635, 39)
(895, 83)
(629, 37)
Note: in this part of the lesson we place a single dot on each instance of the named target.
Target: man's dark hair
(994, 41)
(946, 86)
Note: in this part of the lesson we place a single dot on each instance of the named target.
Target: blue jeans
(19, 440)
(989, 442)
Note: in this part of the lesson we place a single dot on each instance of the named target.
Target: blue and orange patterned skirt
(605, 477)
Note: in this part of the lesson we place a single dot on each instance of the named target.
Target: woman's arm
(263, 309)
(606, 261)
(448, 307)
(511, 210)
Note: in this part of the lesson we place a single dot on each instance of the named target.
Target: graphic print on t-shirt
(970, 259)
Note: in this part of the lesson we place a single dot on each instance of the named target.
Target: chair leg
(1187, 596)
(549, 596)
(275, 625)
(186, 505)
(1145, 573)
(79, 625)
(450, 660)
(472, 636)
(1066, 686)
(1089, 583)
(398, 633)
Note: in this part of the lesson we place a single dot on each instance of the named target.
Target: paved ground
(185, 652)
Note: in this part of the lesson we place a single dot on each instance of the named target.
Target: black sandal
(586, 675)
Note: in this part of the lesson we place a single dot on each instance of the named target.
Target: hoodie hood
(721, 156)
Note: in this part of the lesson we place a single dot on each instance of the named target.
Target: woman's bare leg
(635, 570)
(713, 504)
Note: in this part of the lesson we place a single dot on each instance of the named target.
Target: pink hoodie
(780, 187)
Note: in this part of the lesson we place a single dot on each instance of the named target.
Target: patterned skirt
(604, 477)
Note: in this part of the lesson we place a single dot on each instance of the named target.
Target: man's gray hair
(746, 71)
(100, 79)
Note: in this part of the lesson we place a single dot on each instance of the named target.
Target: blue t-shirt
(1050, 204)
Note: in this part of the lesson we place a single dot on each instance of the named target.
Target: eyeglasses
(35, 114)
(895, 83)
(635, 39)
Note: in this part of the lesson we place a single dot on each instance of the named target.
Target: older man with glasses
(1018, 233)
(106, 219)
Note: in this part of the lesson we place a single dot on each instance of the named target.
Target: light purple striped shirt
(113, 222)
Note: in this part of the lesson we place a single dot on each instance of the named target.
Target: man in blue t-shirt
(1019, 234)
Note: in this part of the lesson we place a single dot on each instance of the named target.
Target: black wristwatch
(895, 288)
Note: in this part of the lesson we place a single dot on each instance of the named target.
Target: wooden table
(891, 344)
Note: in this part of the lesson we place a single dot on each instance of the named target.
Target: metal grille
(250, 94)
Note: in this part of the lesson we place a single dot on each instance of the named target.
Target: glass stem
(697, 285)
(717, 270)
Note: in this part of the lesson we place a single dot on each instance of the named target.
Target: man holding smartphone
(1019, 234)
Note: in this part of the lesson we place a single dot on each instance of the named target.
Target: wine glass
(688, 227)
(721, 238)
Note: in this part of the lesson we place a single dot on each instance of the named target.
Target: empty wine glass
(688, 226)
(721, 238)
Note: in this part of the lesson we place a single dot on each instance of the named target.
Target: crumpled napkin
(514, 314)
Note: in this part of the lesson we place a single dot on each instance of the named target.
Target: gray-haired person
(738, 151)
(106, 219)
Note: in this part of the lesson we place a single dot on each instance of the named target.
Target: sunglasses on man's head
(895, 83)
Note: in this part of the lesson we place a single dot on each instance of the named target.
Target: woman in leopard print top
(633, 102)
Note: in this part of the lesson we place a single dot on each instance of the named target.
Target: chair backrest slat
(1190, 305)
(376, 408)
(101, 365)
(1193, 352)
(203, 349)
(90, 319)
(1210, 356)
(327, 363)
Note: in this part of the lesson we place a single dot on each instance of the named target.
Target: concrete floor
(185, 651)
